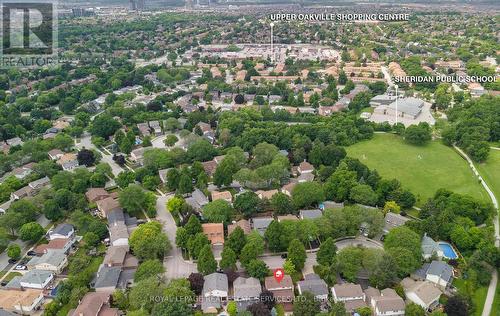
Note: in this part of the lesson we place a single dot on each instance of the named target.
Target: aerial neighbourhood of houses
(189, 167)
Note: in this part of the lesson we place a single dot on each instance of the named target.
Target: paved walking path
(494, 278)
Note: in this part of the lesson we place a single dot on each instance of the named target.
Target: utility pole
(272, 43)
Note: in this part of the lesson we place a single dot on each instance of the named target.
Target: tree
(391, 206)
(247, 203)
(297, 254)
(263, 154)
(363, 194)
(14, 251)
(86, 157)
(232, 308)
(91, 239)
(228, 259)
(181, 237)
(413, 309)
(326, 253)
(125, 178)
(458, 305)
(253, 248)
(218, 211)
(185, 184)
(172, 124)
(259, 309)
(170, 140)
(306, 304)
(258, 269)
(282, 204)
(149, 242)
(201, 150)
(31, 232)
(141, 293)
(307, 194)
(133, 199)
(273, 236)
(418, 134)
(104, 126)
(349, 261)
(149, 268)
(404, 237)
(196, 243)
(193, 226)
(206, 262)
(236, 240)
(196, 281)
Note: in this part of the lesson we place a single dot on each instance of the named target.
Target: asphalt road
(85, 141)
(175, 265)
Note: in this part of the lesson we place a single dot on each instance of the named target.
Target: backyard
(421, 169)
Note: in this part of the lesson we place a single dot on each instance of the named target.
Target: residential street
(85, 141)
(175, 264)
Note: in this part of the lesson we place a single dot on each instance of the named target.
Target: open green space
(490, 171)
(421, 169)
(478, 296)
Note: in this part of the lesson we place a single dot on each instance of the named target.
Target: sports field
(421, 169)
(490, 171)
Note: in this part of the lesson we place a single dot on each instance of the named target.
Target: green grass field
(490, 170)
(421, 169)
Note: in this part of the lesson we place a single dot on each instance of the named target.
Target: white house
(36, 279)
(423, 293)
(54, 260)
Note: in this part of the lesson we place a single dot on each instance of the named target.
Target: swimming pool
(448, 251)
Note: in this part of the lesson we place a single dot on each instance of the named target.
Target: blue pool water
(448, 251)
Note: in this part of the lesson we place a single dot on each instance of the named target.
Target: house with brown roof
(107, 205)
(24, 302)
(95, 304)
(68, 161)
(243, 224)
(96, 194)
(209, 167)
(55, 154)
(287, 188)
(222, 195)
(214, 232)
(288, 217)
(282, 291)
(63, 244)
(305, 167)
(266, 194)
(423, 293)
(388, 302)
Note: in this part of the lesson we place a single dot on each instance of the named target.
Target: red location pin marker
(279, 274)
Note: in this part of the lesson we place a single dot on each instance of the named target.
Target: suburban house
(305, 167)
(96, 194)
(68, 161)
(31, 189)
(423, 293)
(214, 233)
(287, 188)
(137, 155)
(215, 290)
(63, 244)
(155, 126)
(143, 129)
(310, 214)
(386, 303)
(118, 256)
(314, 284)
(107, 205)
(53, 260)
(36, 279)
(223, 195)
(288, 217)
(282, 291)
(206, 131)
(62, 231)
(242, 223)
(24, 302)
(95, 303)
(197, 200)
(305, 177)
(393, 220)
(430, 248)
(260, 224)
(437, 272)
(107, 279)
(209, 167)
(266, 194)
(55, 154)
(246, 292)
(350, 294)
(23, 171)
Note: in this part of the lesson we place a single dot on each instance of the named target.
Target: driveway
(175, 264)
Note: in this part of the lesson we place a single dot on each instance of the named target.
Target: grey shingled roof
(314, 284)
(215, 281)
(107, 277)
(261, 223)
(246, 288)
(429, 246)
(310, 214)
(53, 257)
(441, 269)
(63, 229)
(36, 276)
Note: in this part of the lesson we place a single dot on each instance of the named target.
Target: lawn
(490, 170)
(478, 297)
(421, 169)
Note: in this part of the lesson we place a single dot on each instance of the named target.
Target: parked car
(21, 267)
(31, 253)
(12, 261)
(284, 256)
(4, 283)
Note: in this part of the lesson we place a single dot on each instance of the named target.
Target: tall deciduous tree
(206, 262)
